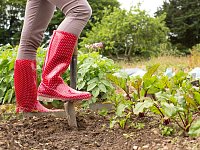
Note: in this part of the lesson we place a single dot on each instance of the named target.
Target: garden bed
(93, 133)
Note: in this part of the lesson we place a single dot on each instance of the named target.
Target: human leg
(77, 14)
(38, 14)
(61, 49)
(25, 66)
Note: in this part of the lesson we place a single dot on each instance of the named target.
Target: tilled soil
(93, 133)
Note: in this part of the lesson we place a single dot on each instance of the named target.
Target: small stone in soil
(135, 147)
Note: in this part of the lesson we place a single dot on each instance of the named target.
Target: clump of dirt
(93, 133)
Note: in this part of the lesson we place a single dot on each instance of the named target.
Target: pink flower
(94, 46)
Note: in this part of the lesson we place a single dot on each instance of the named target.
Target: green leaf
(195, 129)
(197, 97)
(190, 101)
(8, 96)
(150, 82)
(153, 90)
(166, 131)
(4, 62)
(151, 71)
(93, 80)
(112, 123)
(81, 85)
(2, 79)
(93, 100)
(140, 106)
(120, 109)
(155, 110)
(122, 122)
(106, 83)
(168, 109)
(91, 86)
(137, 83)
(1, 92)
(119, 81)
(95, 91)
(1, 99)
(11, 65)
(103, 112)
(102, 88)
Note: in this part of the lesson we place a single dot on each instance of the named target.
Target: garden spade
(69, 106)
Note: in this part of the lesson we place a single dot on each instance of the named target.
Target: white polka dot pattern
(26, 88)
(57, 61)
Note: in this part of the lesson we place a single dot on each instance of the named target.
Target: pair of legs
(37, 17)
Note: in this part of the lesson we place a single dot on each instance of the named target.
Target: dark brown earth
(51, 133)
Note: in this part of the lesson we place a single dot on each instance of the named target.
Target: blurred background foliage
(12, 16)
(173, 30)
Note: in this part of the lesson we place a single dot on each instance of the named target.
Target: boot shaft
(25, 82)
(57, 61)
(58, 56)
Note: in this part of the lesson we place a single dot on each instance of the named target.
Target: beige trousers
(38, 15)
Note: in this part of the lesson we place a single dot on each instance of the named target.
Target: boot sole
(46, 98)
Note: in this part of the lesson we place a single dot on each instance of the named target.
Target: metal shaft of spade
(69, 106)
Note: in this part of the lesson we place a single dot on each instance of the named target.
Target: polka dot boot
(57, 61)
(26, 88)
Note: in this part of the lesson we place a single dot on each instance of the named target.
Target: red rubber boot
(57, 61)
(26, 87)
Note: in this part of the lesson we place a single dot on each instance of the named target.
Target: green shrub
(174, 99)
(128, 33)
(7, 58)
(92, 70)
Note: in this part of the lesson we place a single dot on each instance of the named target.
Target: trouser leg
(37, 17)
(77, 14)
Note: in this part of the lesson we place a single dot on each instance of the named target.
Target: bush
(175, 100)
(128, 33)
(92, 70)
(7, 58)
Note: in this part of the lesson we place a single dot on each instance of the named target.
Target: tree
(12, 15)
(128, 33)
(183, 19)
(98, 7)
(97, 14)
